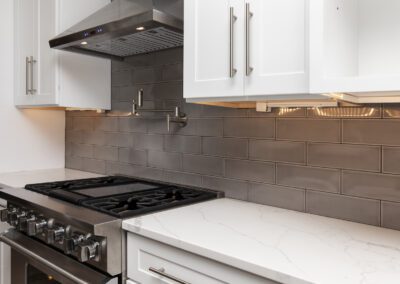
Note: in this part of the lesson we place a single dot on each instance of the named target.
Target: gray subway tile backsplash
(250, 170)
(378, 132)
(371, 185)
(322, 179)
(279, 196)
(354, 209)
(226, 147)
(326, 161)
(278, 151)
(308, 130)
(249, 127)
(357, 157)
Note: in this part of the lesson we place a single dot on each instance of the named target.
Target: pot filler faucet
(173, 116)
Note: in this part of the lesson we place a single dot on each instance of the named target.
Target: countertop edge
(213, 255)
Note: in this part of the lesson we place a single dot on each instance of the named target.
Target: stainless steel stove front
(33, 262)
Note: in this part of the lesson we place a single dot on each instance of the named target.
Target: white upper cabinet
(237, 49)
(213, 48)
(49, 78)
(277, 53)
(355, 48)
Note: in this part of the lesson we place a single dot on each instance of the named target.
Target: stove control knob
(54, 235)
(4, 215)
(13, 218)
(87, 250)
(23, 222)
(36, 227)
(71, 243)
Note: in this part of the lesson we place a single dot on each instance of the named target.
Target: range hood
(125, 28)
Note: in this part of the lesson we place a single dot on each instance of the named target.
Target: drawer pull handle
(161, 272)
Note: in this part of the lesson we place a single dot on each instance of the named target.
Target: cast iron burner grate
(47, 187)
(129, 205)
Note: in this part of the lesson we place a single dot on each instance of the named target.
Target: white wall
(29, 139)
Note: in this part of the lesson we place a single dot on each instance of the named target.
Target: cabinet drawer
(151, 262)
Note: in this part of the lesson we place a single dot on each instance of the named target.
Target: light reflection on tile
(345, 112)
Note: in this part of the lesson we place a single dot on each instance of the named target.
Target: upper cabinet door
(45, 77)
(355, 48)
(213, 53)
(276, 55)
(34, 60)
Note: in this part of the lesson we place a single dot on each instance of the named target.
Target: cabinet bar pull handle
(161, 272)
(249, 14)
(32, 62)
(27, 76)
(232, 20)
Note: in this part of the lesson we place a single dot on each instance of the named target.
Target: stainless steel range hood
(124, 28)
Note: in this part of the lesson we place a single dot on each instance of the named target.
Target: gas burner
(128, 205)
(46, 188)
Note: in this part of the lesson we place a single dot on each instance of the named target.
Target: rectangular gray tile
(320, 179)
(94, 166)
(83, 123)
(118, 139)
(129, 124)
(94, 137)
(279, 151)
(106, 124)
(232, 188)
(203, 165)
(249, 127)
(345, 156)
(278, 196)
(353, 209)
(136, 157)
(82, 150)
(182, 144)
(250, 170)
(169, 161)
(390, 215)
(148, 142)
(172, 72)
(182, 178)
(209, 127)
(372, 131)
(72, 162)
(371, 185)
(113, 168)
(317, 130)
(390, 160)
(226, 147)
(74, 136)
(146, 75)
(168, 90)
(105, 153)
(121, 78)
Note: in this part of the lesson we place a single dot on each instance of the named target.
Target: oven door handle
(15, 240)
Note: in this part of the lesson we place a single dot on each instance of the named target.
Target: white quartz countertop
(282, 245)
(20, 179)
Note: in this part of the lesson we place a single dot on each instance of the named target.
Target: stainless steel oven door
(33, 262)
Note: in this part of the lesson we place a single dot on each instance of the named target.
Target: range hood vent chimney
(125, 28)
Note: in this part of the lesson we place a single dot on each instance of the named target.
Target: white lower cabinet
(152, 262)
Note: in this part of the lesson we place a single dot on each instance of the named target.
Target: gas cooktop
(121, 196)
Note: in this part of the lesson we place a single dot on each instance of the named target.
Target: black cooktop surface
(122, 196)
